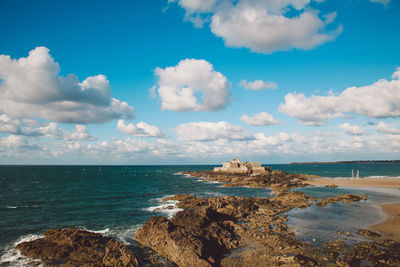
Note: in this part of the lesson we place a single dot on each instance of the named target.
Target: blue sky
(332, 66)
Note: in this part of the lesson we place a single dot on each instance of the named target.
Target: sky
(198, 81)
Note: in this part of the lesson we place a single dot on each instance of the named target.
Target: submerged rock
(346, 198)
(368, 233)
(75, 247)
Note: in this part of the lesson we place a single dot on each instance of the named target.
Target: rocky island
(225, 231)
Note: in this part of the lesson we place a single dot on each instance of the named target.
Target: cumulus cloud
(178, 87)
(385, 129)
(263, 26)
(16, 144)
(258, 85)
(9, 125)
(140, 129)
(209, 131)
(33, 128)
(259, 119)
(53, 131)
(351, 129)
(33, 83)
(378, 100)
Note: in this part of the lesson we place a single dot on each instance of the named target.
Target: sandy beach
(356, 182)
(391, 225)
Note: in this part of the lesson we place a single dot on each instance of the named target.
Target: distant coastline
(347, 162)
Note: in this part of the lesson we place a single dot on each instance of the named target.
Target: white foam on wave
(103, 232)
(13, 257)
(124, 235)
(212, 182)
(167, 207)
(16, 207)
(382, 177)
(366, 177)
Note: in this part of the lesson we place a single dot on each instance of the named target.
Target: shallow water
(324, 223)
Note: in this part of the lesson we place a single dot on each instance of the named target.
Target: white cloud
(378, 100)
(385, 129)
(15, 145)
(351, 129)
(140, 129)
(263, 25)
(9, 125)
(194, 10)
(258, 85)
(396, 74)
(53, 131)
(383, 2)
(193, 6)
(33, 83)
(209, 131)
(178, 86)
(259, 119)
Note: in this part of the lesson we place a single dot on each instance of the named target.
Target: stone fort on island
(235, 166)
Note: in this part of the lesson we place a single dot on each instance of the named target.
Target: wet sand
(391, 225)
(356, 182)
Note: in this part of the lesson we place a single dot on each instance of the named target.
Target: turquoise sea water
(117, 200)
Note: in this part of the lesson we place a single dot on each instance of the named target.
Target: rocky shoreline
(278, 181)
(223, 231)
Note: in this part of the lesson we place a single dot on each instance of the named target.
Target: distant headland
(349, 162)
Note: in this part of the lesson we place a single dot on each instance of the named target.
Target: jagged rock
(194, 237)
(75, 247)
(239, 231)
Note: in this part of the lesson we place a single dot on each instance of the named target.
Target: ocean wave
(13, 257)
(25, 206)
(167, 207)
(382, 177)
(124, 234)
(366, 177)
(103, 232)
(212, 182)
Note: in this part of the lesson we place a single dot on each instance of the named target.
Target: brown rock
(368, 233)
(74, 247)
(194, 237)
(346, 198)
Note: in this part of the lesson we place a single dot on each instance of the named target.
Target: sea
(117, 200)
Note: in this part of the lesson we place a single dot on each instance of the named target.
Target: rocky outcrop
(279, 181)
(210, 228)
(346, 198)
(75, 247)
(240, 231)
(194, 237)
